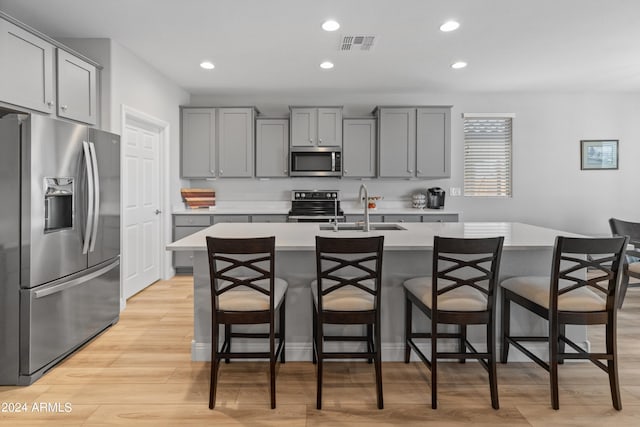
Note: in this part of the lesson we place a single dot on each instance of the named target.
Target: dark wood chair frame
(631, 229)
(600, 254)
(223, 250)
(455, 253)
(328, 251)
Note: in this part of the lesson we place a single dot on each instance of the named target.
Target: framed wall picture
(598, 154)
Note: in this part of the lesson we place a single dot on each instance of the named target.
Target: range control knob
(297, 195)
(303, 195)
(335, 195)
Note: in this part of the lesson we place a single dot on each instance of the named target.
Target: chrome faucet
(366, 206)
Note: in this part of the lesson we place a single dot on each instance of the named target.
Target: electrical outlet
(455, 191)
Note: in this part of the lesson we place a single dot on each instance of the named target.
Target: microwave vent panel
(357, 43)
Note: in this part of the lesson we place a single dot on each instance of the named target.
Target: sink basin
(359, 227)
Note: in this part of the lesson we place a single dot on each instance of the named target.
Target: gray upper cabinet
(77, 94)
(272, 148)
(433, 143)
(312, 127)
(359, 148)
(414, 142)
(217, 142)
(198, 143)
(235, 142)
(397, 142)
(26, 74)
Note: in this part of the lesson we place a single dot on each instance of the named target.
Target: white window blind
(487, 154)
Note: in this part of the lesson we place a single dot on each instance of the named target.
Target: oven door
(316, 162)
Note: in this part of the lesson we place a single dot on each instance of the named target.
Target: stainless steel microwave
(316, 161)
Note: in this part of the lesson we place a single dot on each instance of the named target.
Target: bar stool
(571, 296)
(632, 260)
(466, 274)
(347, 292)
(244, 291)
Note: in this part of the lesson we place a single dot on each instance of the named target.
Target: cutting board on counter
(198, 197)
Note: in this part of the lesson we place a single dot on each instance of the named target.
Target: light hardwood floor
(140, 372)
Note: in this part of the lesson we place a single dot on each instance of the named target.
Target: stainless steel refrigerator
(59, 241)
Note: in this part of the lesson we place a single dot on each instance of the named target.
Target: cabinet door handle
(419, 171)
(50, 104)
(63, 107)
(213, 172)
(346, 172)
(221, 172)
(311, 141)
(319, 141)
(410, 170)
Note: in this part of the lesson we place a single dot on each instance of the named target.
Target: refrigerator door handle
(75, 282)
(96, 197)
(90, 187)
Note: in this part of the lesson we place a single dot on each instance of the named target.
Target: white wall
(549, 189)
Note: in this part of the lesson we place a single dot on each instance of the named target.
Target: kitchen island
(407, 253)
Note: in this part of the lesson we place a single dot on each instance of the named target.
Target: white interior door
(141, 213)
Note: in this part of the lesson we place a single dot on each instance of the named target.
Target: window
(487, 154)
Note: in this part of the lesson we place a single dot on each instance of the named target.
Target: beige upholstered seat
(348, 298)
(464, 298)
(536, 289)
(634, 267)
(244, 298)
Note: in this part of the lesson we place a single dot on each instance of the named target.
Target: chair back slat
(349, 262)
(459, 263)
(586, 263)
(240, 263)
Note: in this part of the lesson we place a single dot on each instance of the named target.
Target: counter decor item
(418, 201)
(198, 197)
(371, 200)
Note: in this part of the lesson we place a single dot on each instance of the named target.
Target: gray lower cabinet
(230, 218)
(414, 142)
(26, 74)
(77, 83)
(452, 217)
(183, 226)
(359, 218)
(402, 218)
(359, 148)
(272, 148)
(268, 218)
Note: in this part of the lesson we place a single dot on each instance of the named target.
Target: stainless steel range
(315, 206)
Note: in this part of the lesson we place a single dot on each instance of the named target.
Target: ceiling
(274, 46)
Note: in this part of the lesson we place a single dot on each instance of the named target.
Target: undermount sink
(359, 227)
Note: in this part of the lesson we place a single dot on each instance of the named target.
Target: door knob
(158, 212)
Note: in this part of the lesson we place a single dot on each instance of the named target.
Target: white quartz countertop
(416, 236)
(279, 209)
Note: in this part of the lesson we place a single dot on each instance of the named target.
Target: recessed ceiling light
(326, 65)
(449, 26)
(207, 65)
(458, 65)
(330, 25)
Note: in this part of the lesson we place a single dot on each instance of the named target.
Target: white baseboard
(391, 352)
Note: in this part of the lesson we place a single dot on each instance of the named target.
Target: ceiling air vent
(356, 43)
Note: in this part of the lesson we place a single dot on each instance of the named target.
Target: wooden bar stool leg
(561, 344)
(272, 364)
(506, 325)
(282, 329)
(214, 366)
(553, 363)
(612, 365)
(314, 343)
(434, 365)
(462, 346)
(407, 328)
(378, 364)
(227, 340)
(370, 342)
(624, 284)
(493, 375)
(319, 346)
